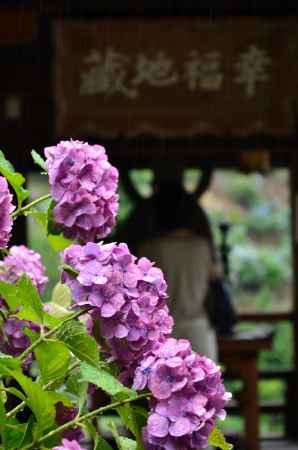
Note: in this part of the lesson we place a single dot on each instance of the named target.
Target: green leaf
(75, 386)
(51, 442)
(70, 270)
(3, 395)
(104, 380)
(115, 434)
(56, 312)
(50, 320)
(58, 242)
(13, 434)
(53, 359)
(15, 179)
(2, 411)
(32, 335)
(123, 443)
(2, 416)
(134, 417)
(39, 160)
(127, 444)
(59, 397)
(10, 361)
(14, 391)
(25, 295)
(10, 430)
(7, 363)
(28, 433)
(60, 301)
(52, 227)
(218, 440)
(30, 300)
(40, 217)
(74, 335)
(38, 400)
(101, 444)
(61, 295)
(10, 294)
(56, 239)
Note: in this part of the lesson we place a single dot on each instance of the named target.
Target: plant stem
(29, 205)
(13, 412)
(38, 341)
(114, 405)
(78, 420)
(2, 314)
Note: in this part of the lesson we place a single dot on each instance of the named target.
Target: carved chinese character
(157, 71)
(106, 74)
(252, 68)
(203, 72)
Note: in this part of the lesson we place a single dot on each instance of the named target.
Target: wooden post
(292, 425)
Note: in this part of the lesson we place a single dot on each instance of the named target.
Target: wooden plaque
(176, 77)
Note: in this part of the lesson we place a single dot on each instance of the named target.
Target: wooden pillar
(293, 420)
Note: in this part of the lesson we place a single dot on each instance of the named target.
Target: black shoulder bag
(219, 307)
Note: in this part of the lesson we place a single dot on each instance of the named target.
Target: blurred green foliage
(257, 208)
(267, 218)
(254, 267)
(244, 190)
(143, 181)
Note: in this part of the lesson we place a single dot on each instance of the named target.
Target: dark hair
(174, 207)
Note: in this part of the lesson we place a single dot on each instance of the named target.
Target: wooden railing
(286, 375)
(266, 317)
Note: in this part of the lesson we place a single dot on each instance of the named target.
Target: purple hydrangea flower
(65, 414)
(83, 185)
(69, 445)
(188, 396)
(128, 297)
(6, 208)
(14, 340)
(20, 260)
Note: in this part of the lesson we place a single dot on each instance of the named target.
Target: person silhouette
(141, 225)
(183, 249)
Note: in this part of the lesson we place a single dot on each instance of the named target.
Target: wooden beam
(269, 407)
(17, 26)
(222, 152)
(267, 317)
(208, 8)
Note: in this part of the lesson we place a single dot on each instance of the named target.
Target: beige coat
(186, 262)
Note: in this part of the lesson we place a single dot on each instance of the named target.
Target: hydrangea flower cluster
(83, 185)
(128, 297)
(188, 396)
(69, 445)
(20, 260)
(6, 208)
(13, 340)
(66, 414)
